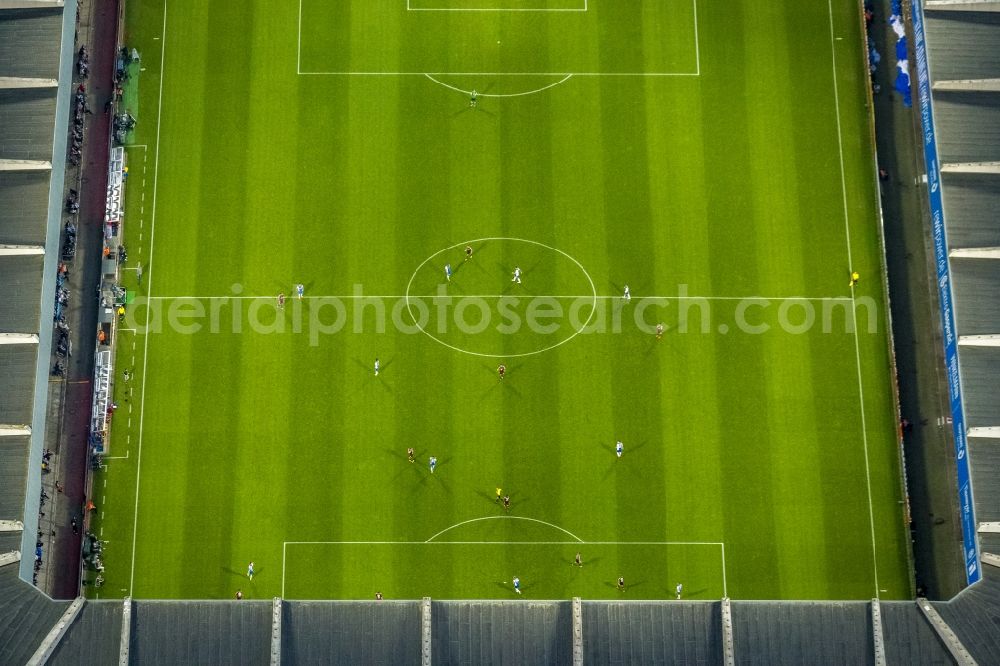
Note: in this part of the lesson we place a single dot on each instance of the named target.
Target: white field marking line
(697, 56)
(697, 53)
(149, 289)
(632, 74)
(497, 543)
(348, 297)
(850, 263)
(533, 520)
(298, 64)
(697, 47)
(285, 544)
(479, 241)
(520, 94)
(136, 145)
(495, 9)
(410, 8)
(578, 10)
(124, 457)
(725, 591)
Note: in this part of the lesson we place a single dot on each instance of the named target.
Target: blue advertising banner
(972, 570)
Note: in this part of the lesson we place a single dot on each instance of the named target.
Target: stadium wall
(971, 549)
(64, 91)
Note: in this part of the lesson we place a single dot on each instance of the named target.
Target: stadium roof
(93, 638)
(19, 297)
(30, 31)
(974, 615)
(351, 632)
(26, 119)
(522, 631)
(909, 638)
(23, 207)
(17, 381)
(472, 632)
(26, 617)
(14, 468)
(33, 136)
(963, 42)
(977, 283)
(652, 632)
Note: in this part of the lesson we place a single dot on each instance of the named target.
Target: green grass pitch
(685, 148)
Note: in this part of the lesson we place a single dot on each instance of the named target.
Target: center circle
(455, 305)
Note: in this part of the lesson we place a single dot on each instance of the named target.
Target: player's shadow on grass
(521, 292)
(243, 574)
(510, 285)
(477, 109)
(370, 369)
(457, 268)
(238, 574)
(628, 448)
(619, 303)
(653, 343)
(509, 587)
(619, 289)
(401, 455)
(476, 252)
(617, 463)
(437, 476)
(586, 562)
(632, 448)
(491, 389)
(293, 292)
(694, 593)
(454, 288)
(498, 383)
(508, 387)
(628, 586)
(288, 290)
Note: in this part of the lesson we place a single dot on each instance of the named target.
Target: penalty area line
(499, 543)
(587, 74)
(575, 544)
